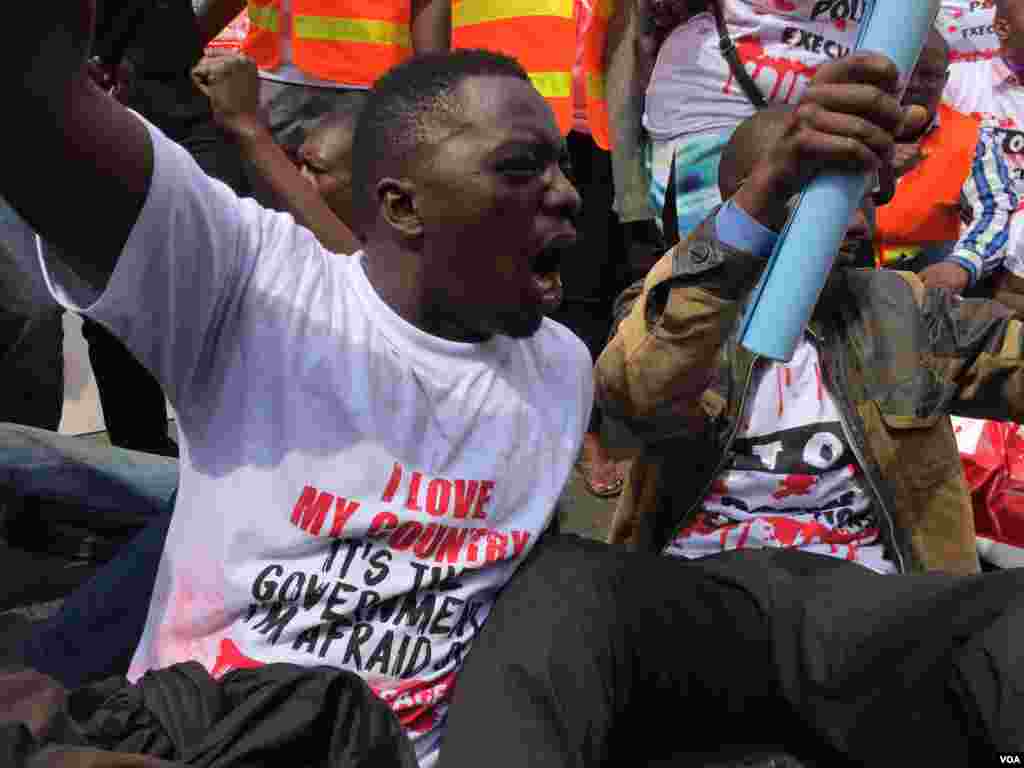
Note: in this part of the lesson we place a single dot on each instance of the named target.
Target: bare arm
(76, 161)
(298, 197)
(431, 25)
(646, 47)
(231, 83)
(214, 15)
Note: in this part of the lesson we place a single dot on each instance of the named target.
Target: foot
(602, 476)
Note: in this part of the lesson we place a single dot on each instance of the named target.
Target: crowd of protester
(397, 295)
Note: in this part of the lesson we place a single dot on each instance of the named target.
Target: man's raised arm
(77, 164)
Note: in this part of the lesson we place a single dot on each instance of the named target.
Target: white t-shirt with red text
(353, 491)
(967, 27)
(781, 43)
(793, 481)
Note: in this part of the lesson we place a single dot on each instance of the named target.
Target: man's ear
(397, 201)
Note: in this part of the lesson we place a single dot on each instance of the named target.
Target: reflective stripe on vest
(350, 42)
(470, 12)
(593, 65)
(265, 17)
(552, 85)
(926, 208)
(892, 256)
(262, 44)
(352, 30)
(540, 34)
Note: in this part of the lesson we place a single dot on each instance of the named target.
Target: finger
(863, 67)
(201, 70)
(843, 154)
(200, 84)
(851, 127)
(915, 118)
(867, 101)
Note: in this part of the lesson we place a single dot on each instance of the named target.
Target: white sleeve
(1015, 247)
(184, 270)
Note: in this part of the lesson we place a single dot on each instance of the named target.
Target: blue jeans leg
(95, 633)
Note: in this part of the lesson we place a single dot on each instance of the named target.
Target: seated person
(953, 172)
(847, 449)
(232, 83)
(373, 447)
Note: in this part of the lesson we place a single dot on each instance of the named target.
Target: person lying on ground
(847, 449)
(373, 447)
(231, 81)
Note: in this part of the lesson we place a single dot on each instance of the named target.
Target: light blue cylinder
(782, 303)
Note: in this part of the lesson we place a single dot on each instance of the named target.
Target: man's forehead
(507, 105)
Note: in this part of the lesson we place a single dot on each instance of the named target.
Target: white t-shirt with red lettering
(793, 481)
(353, 490)
(967, 27)
(781, 43)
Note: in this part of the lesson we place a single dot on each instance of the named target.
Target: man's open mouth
(546, 268)
(549, 260)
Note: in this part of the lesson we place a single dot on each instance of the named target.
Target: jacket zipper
(725, 451)
(843, 401)
(854, 446)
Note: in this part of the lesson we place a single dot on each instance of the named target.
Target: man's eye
(521, 166)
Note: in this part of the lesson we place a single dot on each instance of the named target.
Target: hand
(846, 121)
(945, 274)
(231, 82)
(906, 157)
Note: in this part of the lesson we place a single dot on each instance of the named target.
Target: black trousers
(596, 656)
(32, 368)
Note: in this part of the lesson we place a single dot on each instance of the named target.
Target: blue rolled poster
(782, 303)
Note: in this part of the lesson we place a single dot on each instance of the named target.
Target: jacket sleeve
(665, 351)
(979, 347)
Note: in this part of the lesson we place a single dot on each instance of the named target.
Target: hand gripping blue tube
(783, 300)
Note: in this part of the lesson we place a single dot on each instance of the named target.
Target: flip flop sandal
(607, 492)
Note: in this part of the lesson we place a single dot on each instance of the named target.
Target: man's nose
(562, 195)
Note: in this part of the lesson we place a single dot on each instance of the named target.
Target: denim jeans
(97, 628)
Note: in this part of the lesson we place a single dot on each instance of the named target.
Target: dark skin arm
(95, 154)
(214, 15)
(431, 25)
(232, 84)
(645, 46)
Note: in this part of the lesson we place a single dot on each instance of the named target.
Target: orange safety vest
(541, 34)
(352, 42)
(926, 208)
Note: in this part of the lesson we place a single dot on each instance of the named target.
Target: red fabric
(995, 475)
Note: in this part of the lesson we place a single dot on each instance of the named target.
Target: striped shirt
(988, 199)
(989, 90)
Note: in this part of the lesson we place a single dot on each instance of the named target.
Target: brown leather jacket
(898, 359)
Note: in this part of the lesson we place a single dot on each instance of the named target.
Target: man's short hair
(409, 106)
(348, 106)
